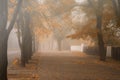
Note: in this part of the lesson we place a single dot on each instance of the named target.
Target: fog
(52, 37)
(48, 44)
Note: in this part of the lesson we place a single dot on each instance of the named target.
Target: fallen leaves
(30, 72)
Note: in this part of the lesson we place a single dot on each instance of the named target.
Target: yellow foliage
(87, 30)
(16, 61)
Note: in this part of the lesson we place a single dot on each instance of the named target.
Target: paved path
(70, 66)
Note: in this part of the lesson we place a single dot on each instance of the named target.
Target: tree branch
(18, 7)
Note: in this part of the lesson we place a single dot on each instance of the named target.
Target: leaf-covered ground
(30, 72)
(66, 66)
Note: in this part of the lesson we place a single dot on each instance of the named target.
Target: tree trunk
(28, 35)
(29, 44)
(19, 30)
(22, 58)
(3, 39)
(98, 12)
(25, 44)
(4, 34)
(3, 57)
(26, 40)
(100, 39)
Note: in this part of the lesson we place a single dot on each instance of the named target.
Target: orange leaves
(54, 23)
(87, 30)
(16, 62)
(84, 33)
(41, 33)
(43, 7)
(67, 3)
(108, 14)
(13, 1)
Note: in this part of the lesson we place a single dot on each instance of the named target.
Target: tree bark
(25, 44)
(23, 52)
(20, 34)
(29, 43)
(3, 57)
(100, 38)
(19, 30)
(28, 35)
(17, 10)
(26, 40)
(98, 11)
(4, 34)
